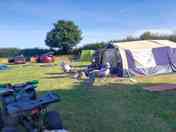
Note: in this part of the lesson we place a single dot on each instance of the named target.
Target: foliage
(128, 38)
(93, 46)
(147, 35)
(11, 52)
(8, 52)
(64, 36)
(150, 36)
(66, 47)
(33, 52)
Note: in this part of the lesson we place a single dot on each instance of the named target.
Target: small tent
(86, 55)
(147, 57)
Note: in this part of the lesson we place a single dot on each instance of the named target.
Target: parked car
(45, 58)
(17, 60)
(11, 60)
(34, 59)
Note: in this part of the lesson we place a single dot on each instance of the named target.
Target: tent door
(113, 57)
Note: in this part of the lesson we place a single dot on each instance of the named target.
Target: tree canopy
(63, 36)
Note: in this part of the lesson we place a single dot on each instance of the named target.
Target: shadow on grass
(47, 65)
(57, 75)
(116, 107)
(80, 66)
(54, 73)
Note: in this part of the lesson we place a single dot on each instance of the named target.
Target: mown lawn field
(111, 105)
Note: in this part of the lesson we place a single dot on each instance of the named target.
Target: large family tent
(146, 57)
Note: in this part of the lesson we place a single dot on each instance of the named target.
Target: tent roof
(143, 44)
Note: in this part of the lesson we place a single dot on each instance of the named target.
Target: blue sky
(24, 23)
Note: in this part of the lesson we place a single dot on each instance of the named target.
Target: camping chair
(85, 72)
(102, 73)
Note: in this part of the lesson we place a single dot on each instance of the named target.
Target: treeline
(150, 36)
(33, 52)
(144, 36)
(10, 52)
(29, 52)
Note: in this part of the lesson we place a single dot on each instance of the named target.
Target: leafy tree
(146, 36)
(64, 36)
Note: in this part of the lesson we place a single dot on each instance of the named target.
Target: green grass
(111, 105)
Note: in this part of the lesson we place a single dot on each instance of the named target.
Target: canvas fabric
(147, 57)
(149, 61)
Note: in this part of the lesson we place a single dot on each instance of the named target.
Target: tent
(86, 55)
(146, 57)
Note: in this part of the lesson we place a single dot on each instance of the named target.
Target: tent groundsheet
(160, 87)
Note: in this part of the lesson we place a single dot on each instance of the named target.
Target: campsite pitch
(109, 106)
(161, 87)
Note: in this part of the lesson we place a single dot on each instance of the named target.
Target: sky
(24, 23)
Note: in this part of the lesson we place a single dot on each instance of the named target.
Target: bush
(33, 52)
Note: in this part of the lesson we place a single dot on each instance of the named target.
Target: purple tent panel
(131, 65)
(162, 59)
(161, 55)
(172, 57)
(130, 59)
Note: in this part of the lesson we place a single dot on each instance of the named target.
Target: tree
(129, 38)
(64, 36)
(146, 36)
